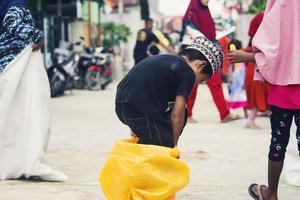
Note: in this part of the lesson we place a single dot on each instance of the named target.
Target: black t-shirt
(155, 82)
(144, 39)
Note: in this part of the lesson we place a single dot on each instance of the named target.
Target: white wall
(132, 19)
(243, 24)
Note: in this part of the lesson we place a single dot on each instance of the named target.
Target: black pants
(281, 122)
(150, 130)
(139, 58)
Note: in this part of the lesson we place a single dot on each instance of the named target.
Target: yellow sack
(143, 172)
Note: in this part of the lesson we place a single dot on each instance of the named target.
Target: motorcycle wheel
(57, 86)
(92, 80)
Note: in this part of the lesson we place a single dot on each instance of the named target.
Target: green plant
(113, 34)
(257, 6)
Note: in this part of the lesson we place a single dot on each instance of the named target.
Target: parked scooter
(62, 73)
(83, 62)
(99, 74)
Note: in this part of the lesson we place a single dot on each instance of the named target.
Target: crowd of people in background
(262, 77)
(244, 93)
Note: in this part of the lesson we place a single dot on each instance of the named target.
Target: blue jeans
(150, 130)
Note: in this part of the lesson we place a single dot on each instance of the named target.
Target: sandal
(230, 118)
(259, 191)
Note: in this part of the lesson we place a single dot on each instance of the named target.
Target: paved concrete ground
(223, 158)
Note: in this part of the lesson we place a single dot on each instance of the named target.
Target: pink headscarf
(277, 43)
(201, 17)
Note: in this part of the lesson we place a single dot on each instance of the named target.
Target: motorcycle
(99, 74)
(62, 72)
(83, 62)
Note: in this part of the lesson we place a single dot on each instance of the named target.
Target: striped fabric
(16, 32)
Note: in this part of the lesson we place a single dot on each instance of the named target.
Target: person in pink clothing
(277, 54)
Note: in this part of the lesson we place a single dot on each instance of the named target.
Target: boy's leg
(137, 121)
(156, 132)
(148, 129)
(162, 129)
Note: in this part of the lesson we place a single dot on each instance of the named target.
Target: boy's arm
(240, 56)
(177, 116)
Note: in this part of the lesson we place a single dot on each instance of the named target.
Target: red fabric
(225, 41)
(286, 97)
(191, 100)
(216, 90)
(250, 69)
(257, 92)
(201, 17)
(255, 23)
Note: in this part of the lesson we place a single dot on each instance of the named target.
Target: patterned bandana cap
(210, 50)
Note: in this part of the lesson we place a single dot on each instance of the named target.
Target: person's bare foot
(230, 118)
(252, 126)
(192, 120)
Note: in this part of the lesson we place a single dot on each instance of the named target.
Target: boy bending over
(151, 99)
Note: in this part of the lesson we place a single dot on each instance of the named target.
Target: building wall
(132, 19)
(243, 24)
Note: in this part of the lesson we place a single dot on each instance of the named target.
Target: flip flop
(230, 118)
(259, 189)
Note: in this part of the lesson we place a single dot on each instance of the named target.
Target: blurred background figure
(236, 82)
(257, 91)
(145, 38)
(198, 16)
(19, 158)
(17, 31)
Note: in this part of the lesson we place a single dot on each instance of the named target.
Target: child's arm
(177, 117)
(240, 56)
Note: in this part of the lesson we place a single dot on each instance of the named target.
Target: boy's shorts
(150, 130)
